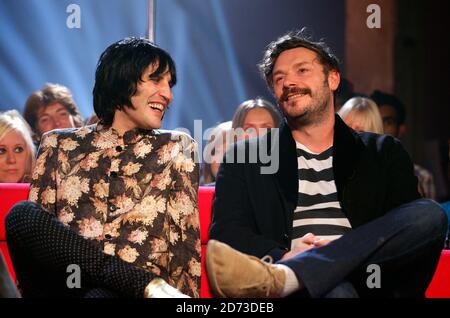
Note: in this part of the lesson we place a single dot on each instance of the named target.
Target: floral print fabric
(135, 197)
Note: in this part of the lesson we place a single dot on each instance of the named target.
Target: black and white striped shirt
(318, 209)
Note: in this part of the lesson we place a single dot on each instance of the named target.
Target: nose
(165, 91)
(288, 80)
(53, 123)
(11, 157)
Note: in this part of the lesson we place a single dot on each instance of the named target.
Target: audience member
(344, 92)
(218, 142)
(362, 114)
(50, 108)
(393, 114)
(17, 151)
(256, 116)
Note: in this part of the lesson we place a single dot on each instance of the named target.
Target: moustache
(293, 90)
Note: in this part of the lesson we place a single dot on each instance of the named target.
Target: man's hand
(307, 242)
(321, 242)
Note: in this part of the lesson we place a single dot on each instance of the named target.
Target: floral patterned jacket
(134, 197)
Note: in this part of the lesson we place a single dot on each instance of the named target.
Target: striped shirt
(318, 209)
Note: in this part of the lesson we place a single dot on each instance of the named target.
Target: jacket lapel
(287, 175)
(347, 148)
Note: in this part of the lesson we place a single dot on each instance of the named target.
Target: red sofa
(12, 193)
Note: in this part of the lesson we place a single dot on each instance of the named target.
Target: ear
(401, 131)
(334, 78)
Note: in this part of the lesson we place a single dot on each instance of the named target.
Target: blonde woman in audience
(362, 114)
(16, 148)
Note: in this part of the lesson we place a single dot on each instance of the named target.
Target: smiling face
(52, 117)
(13, 157)
(304, 93)
(153, 96)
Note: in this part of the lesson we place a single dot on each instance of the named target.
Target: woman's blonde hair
(363, 112)
(12, 121)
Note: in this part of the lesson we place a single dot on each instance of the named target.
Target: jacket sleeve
(185, 246)
(234, 217)
(402, 187)
(43, 184)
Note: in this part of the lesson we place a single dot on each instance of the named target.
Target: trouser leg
(405, 243)
(42, 248)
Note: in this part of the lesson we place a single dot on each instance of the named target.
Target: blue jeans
(405, 243)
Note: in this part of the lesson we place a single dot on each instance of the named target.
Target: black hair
(292, 40)
(119, 69)
(382, 98)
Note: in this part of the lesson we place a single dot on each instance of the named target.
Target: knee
(20, 212)
(430, 217)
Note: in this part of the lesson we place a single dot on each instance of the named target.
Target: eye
(2, 151)
(63, 114)
(302, 70)
(19, 149)
(44, 120)
(277, 79)
(154, 78)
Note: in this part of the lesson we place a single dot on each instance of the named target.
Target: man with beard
(341, 207)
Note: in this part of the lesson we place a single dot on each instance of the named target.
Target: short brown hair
(48, 95)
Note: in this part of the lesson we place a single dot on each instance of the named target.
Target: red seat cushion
(205, 199)
(440, 284)
(205, 291)
(10, 194)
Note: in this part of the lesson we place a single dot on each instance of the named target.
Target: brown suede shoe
(234, 274)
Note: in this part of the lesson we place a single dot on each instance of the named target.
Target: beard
(314, 112)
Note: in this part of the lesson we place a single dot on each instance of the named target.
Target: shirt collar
(132, 136)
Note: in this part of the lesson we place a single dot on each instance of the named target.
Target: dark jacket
(253, 212)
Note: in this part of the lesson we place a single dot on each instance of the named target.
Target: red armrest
(205, 200)
(440, 284)
(10, 194)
